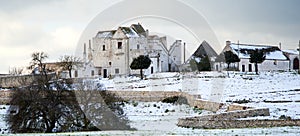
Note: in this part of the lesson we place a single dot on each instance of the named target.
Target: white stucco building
(293, 56)
(275, 60)
(111, 52)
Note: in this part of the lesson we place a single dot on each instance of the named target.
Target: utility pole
(184, 52)
(299, 57)
(238, 65)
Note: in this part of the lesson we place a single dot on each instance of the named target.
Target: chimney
(84, 52)
(280, 45)
(228, 43)
(84, 48)
(183, 52)
(90, 47)
(147, 32)
(90, 57)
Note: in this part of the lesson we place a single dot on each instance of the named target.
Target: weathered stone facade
(111, 52)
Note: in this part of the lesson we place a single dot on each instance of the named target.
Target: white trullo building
(275, 59)
(111, 52)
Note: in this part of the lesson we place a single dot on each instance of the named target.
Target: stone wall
(234, 107)
(155, 96)
(225, 124)
(5, 97)
(234, 119)
(17, 81)
(149, 96)
(145, 96)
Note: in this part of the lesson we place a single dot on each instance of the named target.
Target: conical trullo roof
(205, 50)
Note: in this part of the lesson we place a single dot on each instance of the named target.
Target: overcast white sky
(55, 26)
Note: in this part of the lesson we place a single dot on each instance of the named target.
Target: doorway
(296, 63)
(104, 73)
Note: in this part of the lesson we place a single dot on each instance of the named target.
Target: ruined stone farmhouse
(110, 53)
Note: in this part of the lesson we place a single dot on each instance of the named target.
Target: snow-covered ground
(3, 113)
(278, 91)
(156, 116)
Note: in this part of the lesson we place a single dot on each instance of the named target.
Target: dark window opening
(92, 73)
(119, 45)
(109, 63)
(103, 47)
(152, 70)
(76, 73)
(243, 68)
(296, 63)
(138, 46)
(117, 71)
(250, 68)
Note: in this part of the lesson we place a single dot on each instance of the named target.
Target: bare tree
(43, 109)
(44, 105)
(102, 109)
(69, 62)
(15, 71)
(38, 59)
(48, 105)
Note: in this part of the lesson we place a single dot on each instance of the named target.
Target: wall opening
(250, 67)
(119, 45)
(296, 63)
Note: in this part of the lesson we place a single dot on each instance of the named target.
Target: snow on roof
(129, 32)
(105, 34)
(139, 29)
(291, 51)
(241, 50)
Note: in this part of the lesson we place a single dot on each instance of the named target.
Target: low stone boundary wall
(22, 80)
(5, 97)
(155, 96)
(225, 124)
(207, 105)
(234, 119)
(234, 107)
(145, 96)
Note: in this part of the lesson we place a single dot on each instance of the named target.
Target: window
(117, 71)
(138, 46)
(119, 45)
(109, 63)
(152, 70)
(243, 68)
(92, 73)
(250, 68)
(99, 72)
(103, 47)
(275, 62)
(76, 73)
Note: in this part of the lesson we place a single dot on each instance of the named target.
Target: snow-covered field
(278, 91)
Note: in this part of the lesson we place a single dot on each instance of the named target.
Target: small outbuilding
(275, 59)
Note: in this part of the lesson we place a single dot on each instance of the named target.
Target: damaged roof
(105, 34)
